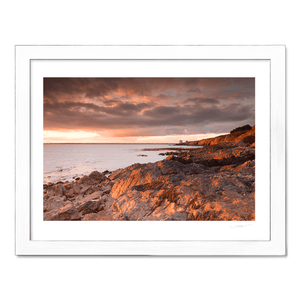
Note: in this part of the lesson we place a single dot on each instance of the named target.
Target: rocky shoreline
(215, 182)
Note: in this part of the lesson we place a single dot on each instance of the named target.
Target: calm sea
(64, 162)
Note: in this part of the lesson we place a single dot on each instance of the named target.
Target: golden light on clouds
(152, 110)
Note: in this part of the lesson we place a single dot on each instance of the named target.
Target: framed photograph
(150, 150)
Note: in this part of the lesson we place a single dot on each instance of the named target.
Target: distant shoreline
(110, 144)
(215, 182)
(174, 149)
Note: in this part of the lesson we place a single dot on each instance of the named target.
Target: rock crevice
(213, 183)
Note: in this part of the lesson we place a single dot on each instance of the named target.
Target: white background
(155, 22)
(258, 230)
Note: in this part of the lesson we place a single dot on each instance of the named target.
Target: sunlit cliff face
(144, 110)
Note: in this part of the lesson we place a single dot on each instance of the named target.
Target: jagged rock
(52, 203)
(241, 129)
(66, 212)
(94, 196)
(91, 206)
(59, 189)
(216, 182)
(68, 185)
(107, 189)
(94, 178)
(235, 136)
(48, 194)
(106, 172)
(100, 216)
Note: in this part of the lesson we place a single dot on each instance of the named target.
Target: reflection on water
(67, 161)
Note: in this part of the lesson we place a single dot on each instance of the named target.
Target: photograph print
(149, 149)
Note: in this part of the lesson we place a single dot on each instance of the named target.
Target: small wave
(60, 169)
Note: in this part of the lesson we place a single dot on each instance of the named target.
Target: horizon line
(108, 143)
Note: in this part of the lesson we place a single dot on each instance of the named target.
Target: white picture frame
(274, 245)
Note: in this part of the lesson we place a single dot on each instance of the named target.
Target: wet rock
(106, 172)
(168, 153)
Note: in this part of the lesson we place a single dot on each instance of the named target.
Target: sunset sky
(145, 110)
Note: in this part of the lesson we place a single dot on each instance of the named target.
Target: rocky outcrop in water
(216, 182)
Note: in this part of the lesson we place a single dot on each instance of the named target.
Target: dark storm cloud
(153, 104)
(89, 87)
(198, 101)
(118, 108)
(161, 112)
(124, 109)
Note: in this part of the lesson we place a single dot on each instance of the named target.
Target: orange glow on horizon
(144, 110)
(73, 136)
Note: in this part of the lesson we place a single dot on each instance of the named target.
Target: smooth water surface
(64, 162)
